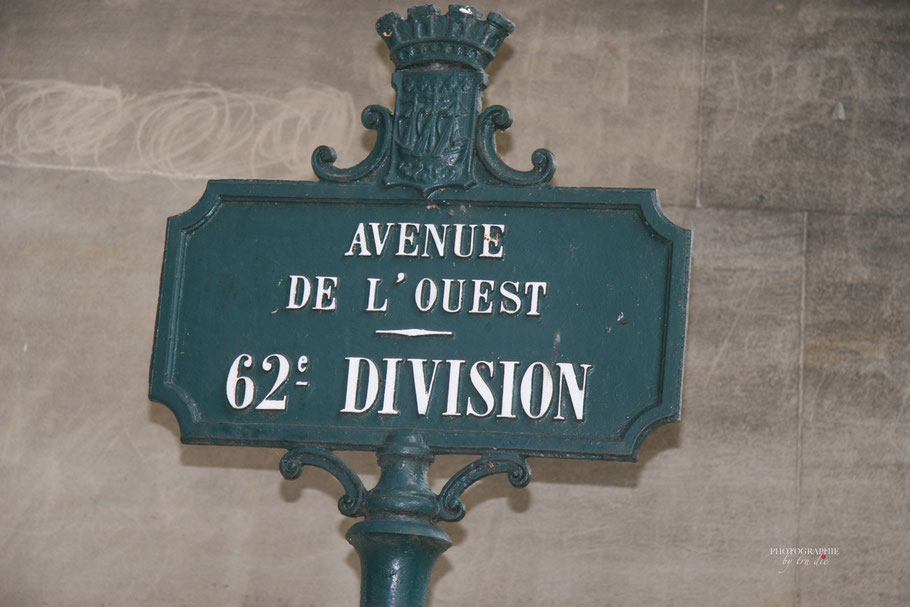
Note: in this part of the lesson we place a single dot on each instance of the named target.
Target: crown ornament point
(460, 36)
(437, 137)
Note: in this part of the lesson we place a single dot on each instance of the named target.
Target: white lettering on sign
(494, 383)
(451, 295)
(325, 299)
(429, 240)
(244, 385)
(477, 296)
(537, 388)
(371, 299)
(300, 290)
(452, 388)
(484, 296)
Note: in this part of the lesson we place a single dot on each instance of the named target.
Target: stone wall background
(779, 132)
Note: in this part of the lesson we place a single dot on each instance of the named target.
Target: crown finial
(427, 36)
(437, 138)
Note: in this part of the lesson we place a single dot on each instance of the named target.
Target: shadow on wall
(581, 472)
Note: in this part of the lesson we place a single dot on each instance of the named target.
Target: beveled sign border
(194, 430)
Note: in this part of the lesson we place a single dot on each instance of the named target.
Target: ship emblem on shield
(433, 136)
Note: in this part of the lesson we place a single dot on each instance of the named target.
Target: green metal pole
(397, 542)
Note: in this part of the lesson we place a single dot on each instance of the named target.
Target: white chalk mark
(197, 130)
(413, 332)
(839, 113)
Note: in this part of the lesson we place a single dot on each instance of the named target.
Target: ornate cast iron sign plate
(430, 288)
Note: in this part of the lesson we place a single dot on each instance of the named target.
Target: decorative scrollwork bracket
(451, 508)
(374, 117)
(291, 466)
(497, 117)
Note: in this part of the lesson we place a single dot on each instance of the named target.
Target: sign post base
(396, 561)
(398, 541)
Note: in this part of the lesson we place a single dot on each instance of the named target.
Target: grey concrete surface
(805, 105)
(857, 401)
(776, 131)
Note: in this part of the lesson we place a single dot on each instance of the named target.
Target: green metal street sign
(543, 321)
(428, 300)
(429, 288)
